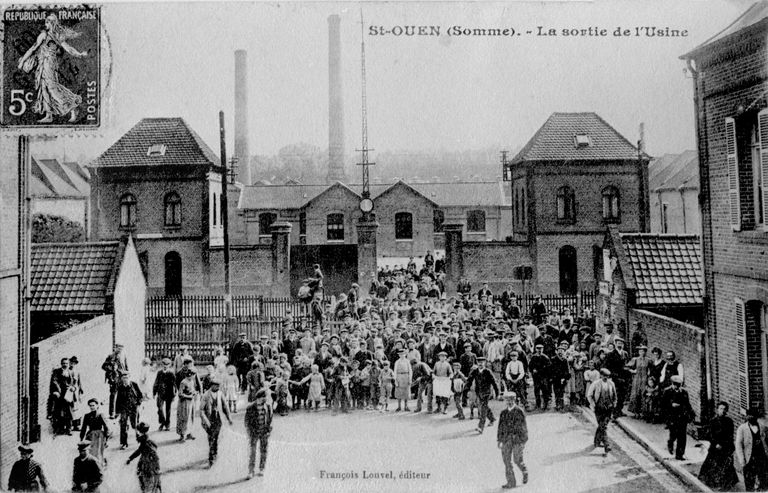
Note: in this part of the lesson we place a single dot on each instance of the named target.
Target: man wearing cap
(515, 376)
(127, 402)
(26, 474)
(678, 412)
(148, 468)
(468, 359)
(752, 451)
(258, 424)
(113, 366)
(602, 397)
(559, 374)
(164, 391)
(539, 366)
(512, 436)
(443, 346)
(212, 406)
(484, 385)
(240, 354)
(616, 362)
(538, 311)
(86, 471)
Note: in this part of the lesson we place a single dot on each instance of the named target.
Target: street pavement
(423, 453)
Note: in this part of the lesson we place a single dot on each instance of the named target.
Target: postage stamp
(51, 67)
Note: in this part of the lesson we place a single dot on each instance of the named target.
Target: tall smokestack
(335, 103)
(241, 118)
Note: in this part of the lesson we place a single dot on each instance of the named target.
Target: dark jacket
(484, 382)
(26, 475)
(678, 414)
(86, 471)
(128, 398)
(93, 421)
(540, 366)
(559, 369)
(165, 385)
(512, 426)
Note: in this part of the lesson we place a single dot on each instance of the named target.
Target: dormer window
(582, 140)
(156, 150)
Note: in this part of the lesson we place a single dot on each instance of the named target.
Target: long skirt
(98, 444)
(184, 413)
(717, 471)
(403, 389)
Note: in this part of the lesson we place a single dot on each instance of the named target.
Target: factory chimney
(335, 103)
(241, 153)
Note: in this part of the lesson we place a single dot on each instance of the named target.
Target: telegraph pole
(366, 204)
(225, 218)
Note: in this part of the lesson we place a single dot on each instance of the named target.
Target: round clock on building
(366, 205)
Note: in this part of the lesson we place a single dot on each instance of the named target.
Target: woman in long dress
(718, 471)
(638, 366)
(52, 98)
(184, 410)
(403, 380)
(95, 430)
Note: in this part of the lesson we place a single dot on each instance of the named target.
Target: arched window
(611, 205)
(266, 220)
(566, 204)
(172, 209)
(403, 226)
(438, 219)
(476, 221)
(127, 211)
(335, 227)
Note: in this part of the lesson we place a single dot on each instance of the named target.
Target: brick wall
(91, 342)
(10, 316)
(685, 340)
(337, 199)
(493, 262)
(735, 264)
(403, 199)
(548, 259)
(193, 267)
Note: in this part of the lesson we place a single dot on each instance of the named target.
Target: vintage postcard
(375, 246)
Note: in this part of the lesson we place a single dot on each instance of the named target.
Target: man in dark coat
(443, 346)
(539, 366)
(115, 364)
(512, 436)
(62, 385)
(616, 360)
(148, 468)
(485, 383)
(127, 402)
(86, 471)
(678, 412)
(718, 471)
(164, 391)
(239, 355)
(538, 311)
(258, 424)
(26, 474)
(558, 376)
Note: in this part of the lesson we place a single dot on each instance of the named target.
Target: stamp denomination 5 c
(51, 67)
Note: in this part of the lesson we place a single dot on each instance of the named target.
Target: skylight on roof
(582, 140)
(156, 150)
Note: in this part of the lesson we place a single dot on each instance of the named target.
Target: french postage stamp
(51, 67)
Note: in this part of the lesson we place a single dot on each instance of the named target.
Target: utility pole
(225, 220)
(366, 205)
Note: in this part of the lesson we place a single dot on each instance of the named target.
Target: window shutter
(733, 174)
(741, 349)
(762, 123)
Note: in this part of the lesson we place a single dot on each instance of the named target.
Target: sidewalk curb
(680, 472)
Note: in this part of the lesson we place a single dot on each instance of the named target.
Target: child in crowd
(316, 386)
(355, 385)
(365, 386)
(209, 374)
(231, 384)
(374, 373)
(387, 384)
(651, 401)
(281, 390)
(457, 386)
(591, 375)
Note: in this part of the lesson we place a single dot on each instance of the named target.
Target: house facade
(729, 79)
(674, 191)
(576, 175)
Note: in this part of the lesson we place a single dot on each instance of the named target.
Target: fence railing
(203, 306)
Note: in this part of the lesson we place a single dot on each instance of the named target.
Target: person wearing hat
(540, 366)
(752, 451)
(212, 407)
(443, 346)
(484, 385)
(403, 380)
(677, 410)
(538, 311)
(468, 359)
(114, 364)
(422, 378)
(559, 374)
(240, 355)
(148, 467)
(86, 471)
(511, 437)
(129, 398)
(26, 473)
(95, 430)
(718, 471)
(61, 398)
(77, 392)
(189, 387)
(164, 391)
(638, 367)
(258, 424)
(602, 397)
(441, 386)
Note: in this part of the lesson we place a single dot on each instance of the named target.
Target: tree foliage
(48, 228)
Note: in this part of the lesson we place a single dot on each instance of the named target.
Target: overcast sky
(424, 93)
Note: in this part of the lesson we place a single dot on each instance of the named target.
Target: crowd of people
(405, 347)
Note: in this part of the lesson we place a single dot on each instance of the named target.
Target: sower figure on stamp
(212, 406)
(512, 436)
(258, 423)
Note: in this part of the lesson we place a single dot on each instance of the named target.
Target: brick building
(576, 175)
(729, 76)
(14, 336)
(674, 188)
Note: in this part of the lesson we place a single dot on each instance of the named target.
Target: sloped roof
(758, 12)
(184, 147)
(675, 171)
(554, 141)
(73, 277)
(38, 188)
(59, 186)
(489, 194)
(666, 268)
